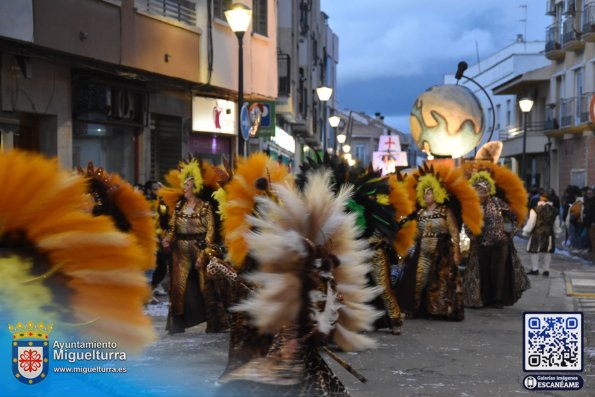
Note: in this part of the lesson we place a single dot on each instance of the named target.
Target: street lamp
(239, 17)
(324, 94)
(525, 104)
(334, 122)
(346, 148)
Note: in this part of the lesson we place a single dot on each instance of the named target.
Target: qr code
(553, 341)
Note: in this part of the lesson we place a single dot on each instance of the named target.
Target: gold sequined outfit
(191, 234)
(381, 277)
(431, 284)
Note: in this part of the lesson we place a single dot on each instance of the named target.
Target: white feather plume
(281, 228)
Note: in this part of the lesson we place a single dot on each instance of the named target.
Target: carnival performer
(64, 265)
(237, 200)
(191, 238)
(312, 289)
(542, 228)
(383, 210)
(494, 275)
(431, 284)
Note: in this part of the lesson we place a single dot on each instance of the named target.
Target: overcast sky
(390, 51)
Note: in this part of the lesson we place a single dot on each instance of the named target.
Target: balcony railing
(569, 8)
(566, 112)
(512, 132)
(582, 107)
(552, 38)
(550, 7)
(551, 118)
(568, 31)
(183, 11)
(589, 18)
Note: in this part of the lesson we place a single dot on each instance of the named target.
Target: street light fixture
(324, 94)
(341, 138)
(239, 17)
(525, 104)
(334, 122)
(346, 148)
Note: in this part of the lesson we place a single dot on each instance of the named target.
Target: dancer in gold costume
(191, 238)
(432, 285)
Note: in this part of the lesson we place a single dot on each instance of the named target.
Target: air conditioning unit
(123, 105)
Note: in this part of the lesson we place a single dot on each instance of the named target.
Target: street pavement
(480, 356)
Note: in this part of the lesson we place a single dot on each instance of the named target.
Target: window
(305, 8)
(497, 117)
(284, 68)
(219, 8)
(361, 153)
(508, 113)
(259, 17)
(183, 11)
(303, 94)
(578, 93)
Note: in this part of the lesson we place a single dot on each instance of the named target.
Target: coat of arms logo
(30, 351)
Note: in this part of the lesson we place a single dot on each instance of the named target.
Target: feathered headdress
(312, 267)
(128, 208)
(456, 191)
(206, 177)
(404, 208)
(378, 205)
(252, 177)
(506, 184)
(61, 264)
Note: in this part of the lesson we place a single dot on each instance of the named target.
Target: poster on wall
(214, 115)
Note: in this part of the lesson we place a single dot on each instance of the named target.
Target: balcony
(582, 108)
(569, 8)
(589, 22)
(571, 36)
(553, 44)
(551, 118)
(514, 132)
(575, 111)
(512, 140)
(567, 112)
(550, 7)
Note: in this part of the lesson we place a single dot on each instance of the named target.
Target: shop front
(214, 135)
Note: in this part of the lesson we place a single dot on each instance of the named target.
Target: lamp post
(324, 94)
(238, 17)
(525, 104)
(334, 122)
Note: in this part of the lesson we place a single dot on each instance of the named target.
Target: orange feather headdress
(509, 187)
(456, 187)
(404, 206)
(241, 193)
(62, 265)
(126, 202)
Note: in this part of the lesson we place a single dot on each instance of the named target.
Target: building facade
(128, 84)
(308, 54)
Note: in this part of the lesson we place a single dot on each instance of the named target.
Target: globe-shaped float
(447, 120)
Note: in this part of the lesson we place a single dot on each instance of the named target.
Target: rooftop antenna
(524, 21)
